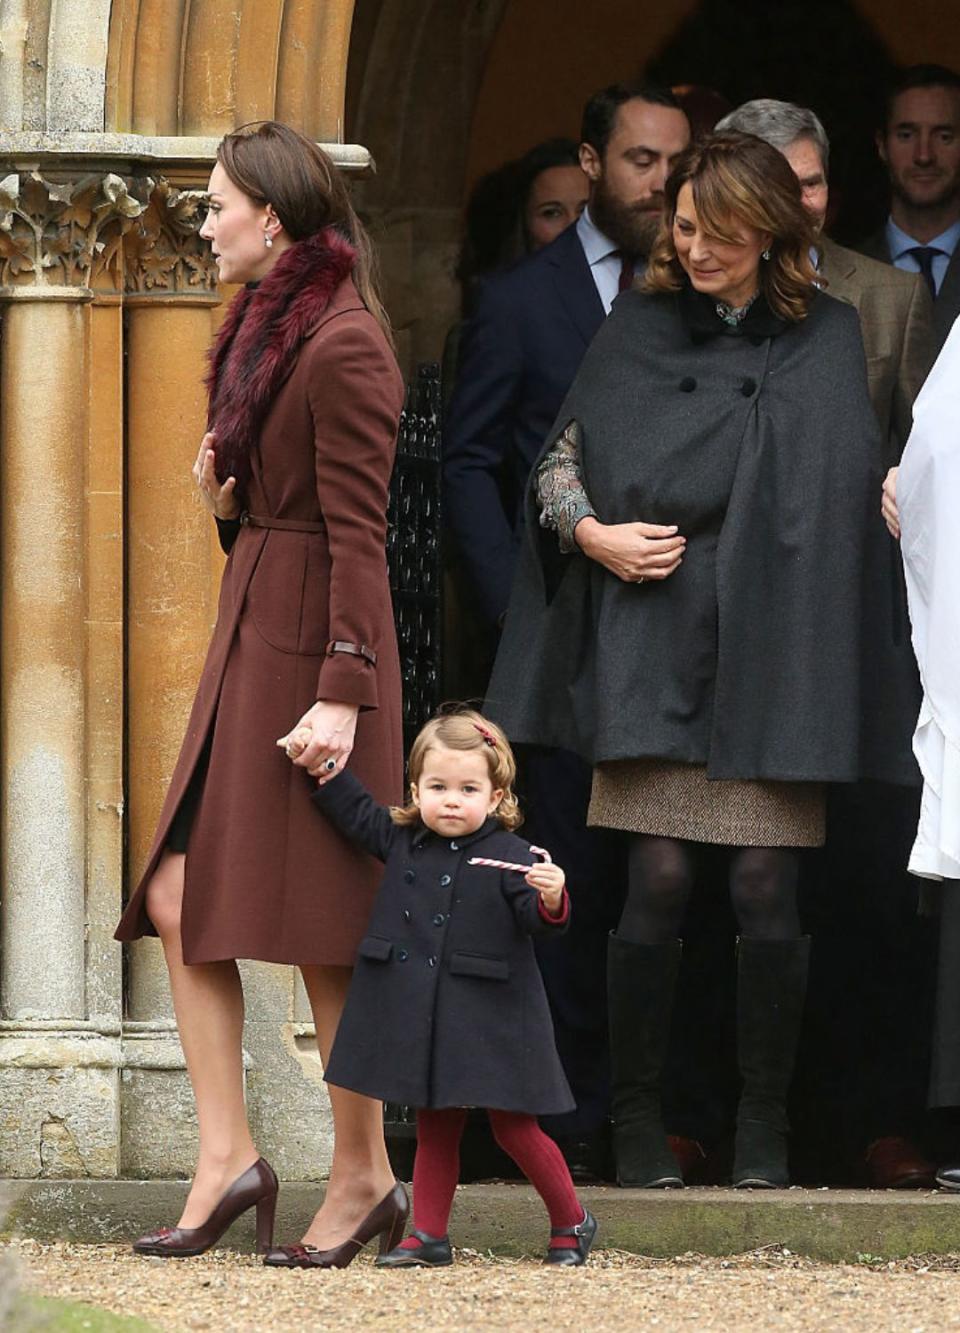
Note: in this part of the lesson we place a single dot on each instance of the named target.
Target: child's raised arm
(347, 803)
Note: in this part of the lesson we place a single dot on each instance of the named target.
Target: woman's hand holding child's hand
(295, 744)
(548, 880)
(322, 740)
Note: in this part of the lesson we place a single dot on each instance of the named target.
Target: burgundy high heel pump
(387, 1220)
(257, 1187)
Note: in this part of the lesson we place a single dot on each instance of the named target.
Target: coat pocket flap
(371, 946)
(480, 965)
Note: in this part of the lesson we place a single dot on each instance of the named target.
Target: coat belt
(283, 524)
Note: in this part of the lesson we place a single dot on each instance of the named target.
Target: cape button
(454, 847)
(402, 955)
(748, 388)
(406, 914)
(444, 880)
(432, 960)
(687, 384)
(409, 876)
(438, 919)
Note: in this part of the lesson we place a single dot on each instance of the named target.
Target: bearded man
(518, 357)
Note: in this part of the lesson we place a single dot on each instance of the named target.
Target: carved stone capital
(164, 250)
(64, 233)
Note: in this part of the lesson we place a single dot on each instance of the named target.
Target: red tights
(437, 1167)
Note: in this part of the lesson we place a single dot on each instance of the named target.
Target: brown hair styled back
(740, 179)
(462, 728)
(273, 163)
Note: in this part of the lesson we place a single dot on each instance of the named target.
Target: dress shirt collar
(899, 242)
(596, 246)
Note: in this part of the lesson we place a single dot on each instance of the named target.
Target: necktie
(924, 255)
(627, 268)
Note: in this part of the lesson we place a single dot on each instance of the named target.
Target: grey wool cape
(778, 649)
(446, 1006)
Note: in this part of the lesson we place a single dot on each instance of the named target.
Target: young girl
(446, 1009)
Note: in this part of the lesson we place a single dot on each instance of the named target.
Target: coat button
(454, 847)
(409, 876)
(439, 919)
(432, 960)
(406, 914)
(444, 880)
(688, 384)
(748, 388)
(402, 955)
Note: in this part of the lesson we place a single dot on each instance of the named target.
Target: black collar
(490, 825)
(699, 313)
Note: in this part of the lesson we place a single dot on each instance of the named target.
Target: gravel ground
(235, 1294)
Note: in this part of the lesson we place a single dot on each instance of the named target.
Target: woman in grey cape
(704, 612)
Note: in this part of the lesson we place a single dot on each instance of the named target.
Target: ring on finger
(329, 765)
(641, 578)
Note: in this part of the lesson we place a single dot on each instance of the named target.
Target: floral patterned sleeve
(560, 491)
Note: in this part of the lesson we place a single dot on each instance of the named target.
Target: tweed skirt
(672, 800)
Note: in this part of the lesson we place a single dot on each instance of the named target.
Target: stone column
(60, 701)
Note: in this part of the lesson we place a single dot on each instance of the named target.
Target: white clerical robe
(928, 498)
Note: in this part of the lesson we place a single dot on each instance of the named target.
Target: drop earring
(764, 254)
(268, 240)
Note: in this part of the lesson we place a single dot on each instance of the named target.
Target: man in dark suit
(862, 1073)
(920, 147)
(518, 357)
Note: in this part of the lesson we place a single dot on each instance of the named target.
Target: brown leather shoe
(894, 1163)
(257, 1187)
(387, 1220)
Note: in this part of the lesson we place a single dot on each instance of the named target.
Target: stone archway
(415, 66)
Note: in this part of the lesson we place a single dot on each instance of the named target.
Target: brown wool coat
(266, 876)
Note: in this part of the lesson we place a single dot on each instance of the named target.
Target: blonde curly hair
(460, 728)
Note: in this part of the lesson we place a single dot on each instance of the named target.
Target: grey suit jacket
(946, 308)
(896, 320)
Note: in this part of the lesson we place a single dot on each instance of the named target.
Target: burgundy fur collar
(259, 340)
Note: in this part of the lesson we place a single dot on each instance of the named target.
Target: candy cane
(509, 865)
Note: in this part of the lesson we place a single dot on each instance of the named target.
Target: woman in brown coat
(305, 397)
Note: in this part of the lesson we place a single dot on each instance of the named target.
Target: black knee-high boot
(771, 989)
(641, 980)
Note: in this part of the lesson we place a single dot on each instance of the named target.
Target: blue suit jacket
(518, 357)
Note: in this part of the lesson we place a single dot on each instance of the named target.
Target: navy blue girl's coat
(446, 1006)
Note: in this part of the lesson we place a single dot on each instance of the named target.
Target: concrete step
(833, 1225)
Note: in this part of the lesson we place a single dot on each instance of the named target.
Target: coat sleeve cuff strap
(356, 649)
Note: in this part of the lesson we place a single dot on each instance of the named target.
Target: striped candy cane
(509, 865)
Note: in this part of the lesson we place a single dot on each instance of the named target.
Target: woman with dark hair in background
(694, 613)
(519, 208)
(305, 396)
(513, 211)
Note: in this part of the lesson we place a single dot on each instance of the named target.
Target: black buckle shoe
(433, 1252)
(573, 1257)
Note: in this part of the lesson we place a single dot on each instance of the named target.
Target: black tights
(763, 890)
